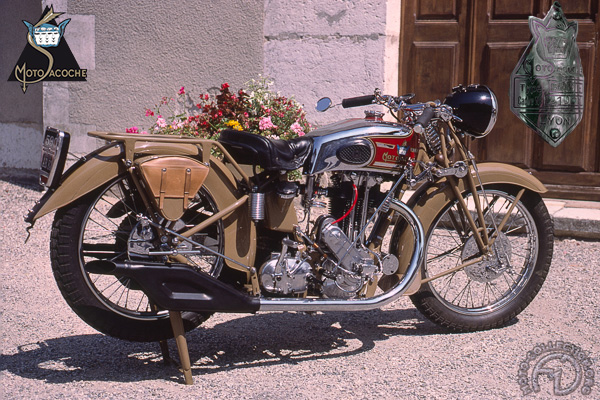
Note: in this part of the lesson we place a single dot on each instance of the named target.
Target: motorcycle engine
(344, 278)
(285, 275)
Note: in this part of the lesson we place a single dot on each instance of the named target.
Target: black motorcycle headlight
(476, 106)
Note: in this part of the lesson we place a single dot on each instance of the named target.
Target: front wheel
(103, 226)
(488, 293)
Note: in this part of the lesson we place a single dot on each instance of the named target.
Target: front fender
(431, 198)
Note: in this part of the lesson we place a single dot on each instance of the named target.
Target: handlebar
(358, 101)
(424, 119)
(424, 112)
(426, 116)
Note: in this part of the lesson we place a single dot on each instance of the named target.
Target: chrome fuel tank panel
(357, 135)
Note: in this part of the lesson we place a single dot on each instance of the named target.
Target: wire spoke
(107, 235)
(479, 288)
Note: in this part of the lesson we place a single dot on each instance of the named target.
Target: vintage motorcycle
(152, 224)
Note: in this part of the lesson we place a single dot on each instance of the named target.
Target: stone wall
(334, 48)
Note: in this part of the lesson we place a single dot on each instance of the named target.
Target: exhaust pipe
(178, 287)
(284, 304)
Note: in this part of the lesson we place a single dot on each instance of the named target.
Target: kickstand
(164, 349)
(182, 348)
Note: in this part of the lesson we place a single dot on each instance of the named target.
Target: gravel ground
(47, 352)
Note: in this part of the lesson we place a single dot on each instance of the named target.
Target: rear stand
(182, 348)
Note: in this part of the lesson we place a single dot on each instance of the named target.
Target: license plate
(54, 154)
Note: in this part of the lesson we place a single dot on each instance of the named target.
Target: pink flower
(144, 132)
(161, 122)
(133, 129)
(297, 129)
(149, 113)
(181, 91)
(266, 123)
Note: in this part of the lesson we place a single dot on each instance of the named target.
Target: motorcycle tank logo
(46, 55)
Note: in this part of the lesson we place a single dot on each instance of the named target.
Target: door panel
(425, 72)
(510, 141)
(435, 9)
(503, 10)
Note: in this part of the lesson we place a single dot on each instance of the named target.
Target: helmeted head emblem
(47, 35)
(546, 89)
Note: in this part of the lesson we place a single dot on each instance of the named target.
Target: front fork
(485, 234)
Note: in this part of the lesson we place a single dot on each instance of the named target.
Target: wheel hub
(140, 240)
(493, 265)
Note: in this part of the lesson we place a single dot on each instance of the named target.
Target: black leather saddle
(270, 154)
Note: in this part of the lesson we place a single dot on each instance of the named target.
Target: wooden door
(489, 38)
(434, 47)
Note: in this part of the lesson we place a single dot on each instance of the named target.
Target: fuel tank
(362, 144)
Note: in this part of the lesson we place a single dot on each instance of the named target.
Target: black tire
(100, 226)
(490, 293)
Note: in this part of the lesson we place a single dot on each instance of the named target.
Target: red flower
(225, 86)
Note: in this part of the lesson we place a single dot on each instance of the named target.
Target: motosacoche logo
(46, 55)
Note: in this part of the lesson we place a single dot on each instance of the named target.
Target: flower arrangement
(256, 109)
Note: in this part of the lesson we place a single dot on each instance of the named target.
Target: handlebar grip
(358, 101)
(425, 117)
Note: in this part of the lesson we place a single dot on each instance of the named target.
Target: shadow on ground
(245, 342)
(26, 178)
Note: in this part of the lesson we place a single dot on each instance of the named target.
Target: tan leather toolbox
(171, 182)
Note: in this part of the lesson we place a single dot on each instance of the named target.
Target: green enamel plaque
(546, 90)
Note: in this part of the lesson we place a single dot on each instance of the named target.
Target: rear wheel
(491, 292)
(103, 226)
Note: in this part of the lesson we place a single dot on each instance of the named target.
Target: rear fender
(101, 167)
(97, 168)
(431, 198)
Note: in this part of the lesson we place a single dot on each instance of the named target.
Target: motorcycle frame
(117, 158)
